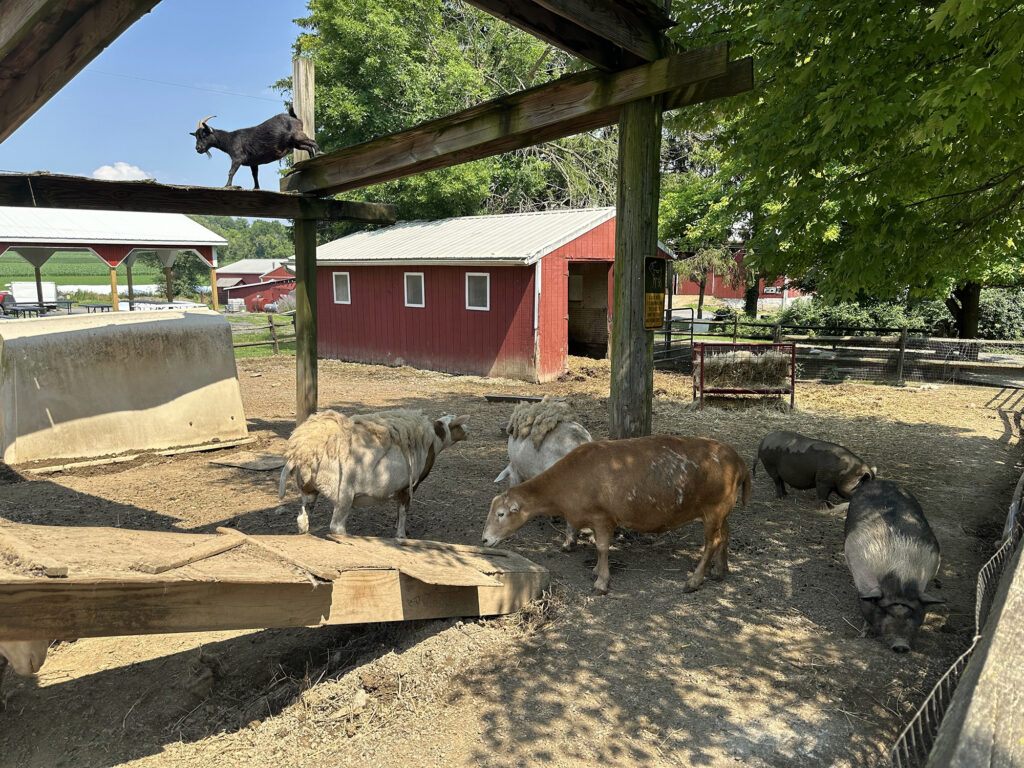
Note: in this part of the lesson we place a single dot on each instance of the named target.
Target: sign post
(655, 285)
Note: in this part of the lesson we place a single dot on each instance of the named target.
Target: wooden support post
(636, 236)
(169, 277)
(39, 286)
(305, 319)
(213, 288)
(113, 289)
(273, 335)
(902, 356)
(735, 328)
(302, 101)
(131, 288)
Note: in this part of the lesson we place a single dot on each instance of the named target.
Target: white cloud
(120, 172)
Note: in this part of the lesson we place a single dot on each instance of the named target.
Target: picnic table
(26, 310)
(96, 307)
(65, 303)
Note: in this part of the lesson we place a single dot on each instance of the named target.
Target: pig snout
(899, 644)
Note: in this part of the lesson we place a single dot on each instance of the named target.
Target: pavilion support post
(213, 282)
(131, 288)
(39, 285)
(305, 319)
(636, 236)
(169, 278)
(113, 289)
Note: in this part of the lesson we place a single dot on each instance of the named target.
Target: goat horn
(202, 123)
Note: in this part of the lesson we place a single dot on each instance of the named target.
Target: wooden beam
(19, 19)
(617, 23)
(49, 61)
(305, 320)
(570, 105)
(561, 32)
(45, 190)
(636, 236)
(738, 79)
(303, 75)
(24, 554)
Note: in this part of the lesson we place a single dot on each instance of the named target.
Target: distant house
(508, 295)
(257, 281)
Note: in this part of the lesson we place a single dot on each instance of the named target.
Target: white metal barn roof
(504, 239)
(251, 266)
(78, 227)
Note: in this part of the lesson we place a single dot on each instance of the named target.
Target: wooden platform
(68, 582)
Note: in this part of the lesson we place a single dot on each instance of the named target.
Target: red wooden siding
(377, 327)
(257, 296)
(721, 288)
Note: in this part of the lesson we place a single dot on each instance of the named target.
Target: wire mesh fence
(853, 353)
(915, 742)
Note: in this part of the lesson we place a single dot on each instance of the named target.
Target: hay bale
(745, 369)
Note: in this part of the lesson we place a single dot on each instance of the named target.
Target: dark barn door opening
(588, 309)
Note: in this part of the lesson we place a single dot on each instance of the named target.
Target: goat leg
(231, 173)
(255, 178)
(404, 498)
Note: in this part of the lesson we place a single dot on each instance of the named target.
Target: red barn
(508, 295)
(719, 287)
(256, 281)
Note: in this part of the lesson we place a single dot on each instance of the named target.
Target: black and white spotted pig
(804, 463)
(892, 554)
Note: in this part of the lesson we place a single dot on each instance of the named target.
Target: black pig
(789, 457)
(892, 554)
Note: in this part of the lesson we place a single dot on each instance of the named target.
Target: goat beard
(208, 155)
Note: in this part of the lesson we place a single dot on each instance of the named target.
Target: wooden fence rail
(275, 341)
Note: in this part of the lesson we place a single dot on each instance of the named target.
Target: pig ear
(872, 594)
(927, 599)
(460, 420)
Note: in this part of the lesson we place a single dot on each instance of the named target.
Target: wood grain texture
(570, 105)
(46, 190)
(303, 79)
(189, 555)
(305, 319)
(636, 236)
(615, 22)
(28, 557)
(62, 39)
(562, 32)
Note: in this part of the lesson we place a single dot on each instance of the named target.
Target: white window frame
(423, 288)
(348, 284)
(479, 274)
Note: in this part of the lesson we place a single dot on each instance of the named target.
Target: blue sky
(221, 56)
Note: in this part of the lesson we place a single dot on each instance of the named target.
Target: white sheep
(539, 434)
(362, 460)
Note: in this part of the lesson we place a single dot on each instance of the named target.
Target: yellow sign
(655, 282)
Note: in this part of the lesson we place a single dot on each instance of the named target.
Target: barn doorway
(588, 309)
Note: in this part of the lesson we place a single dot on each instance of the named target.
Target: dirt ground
(766, 668)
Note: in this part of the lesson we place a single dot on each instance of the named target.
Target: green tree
(384, 67)
(880, 145)
(258, 239)
(694, 215)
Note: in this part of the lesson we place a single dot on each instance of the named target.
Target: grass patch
(241, 334)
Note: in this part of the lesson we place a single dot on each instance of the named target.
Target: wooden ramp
(67, 582)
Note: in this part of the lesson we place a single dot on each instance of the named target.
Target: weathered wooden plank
(46, 190)
(303, 79)
(190, 555)
(445, 568)
(27, 556)
(567, 106)
(636, 237)
(305, 319)
(19, 18)
(739, 79)
(326, 574)
(561, 32)
(503, 398)
(56, 58)
(615, 22)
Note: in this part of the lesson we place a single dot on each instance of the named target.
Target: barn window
(341, 291)
(478, 290)
(414, 289)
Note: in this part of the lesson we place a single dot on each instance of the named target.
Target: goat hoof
(691, 586)
(600, 590)
(569, 546)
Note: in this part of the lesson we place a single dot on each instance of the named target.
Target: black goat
(264, 143)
